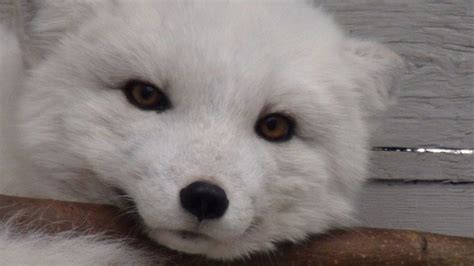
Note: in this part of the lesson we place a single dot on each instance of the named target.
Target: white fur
(63, 249)
(223, 64)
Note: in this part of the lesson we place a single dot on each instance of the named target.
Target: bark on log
(361, 246)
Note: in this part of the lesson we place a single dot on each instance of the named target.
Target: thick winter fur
(68, 132)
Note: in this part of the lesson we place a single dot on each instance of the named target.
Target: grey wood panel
(7, 12)
(421, 166)
(425, 132)
(437, 40)
(434, 207)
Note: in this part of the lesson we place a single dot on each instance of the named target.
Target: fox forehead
(219, 65)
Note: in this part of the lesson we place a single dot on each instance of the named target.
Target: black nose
(204, 200)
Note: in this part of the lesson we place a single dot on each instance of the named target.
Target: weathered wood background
(422, 191)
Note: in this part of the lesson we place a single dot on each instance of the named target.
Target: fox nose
(204, 200)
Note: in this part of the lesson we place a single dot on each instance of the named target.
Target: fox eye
(275, 127)
(146, 96)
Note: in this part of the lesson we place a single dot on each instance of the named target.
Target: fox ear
(44, 22)
(377, 71)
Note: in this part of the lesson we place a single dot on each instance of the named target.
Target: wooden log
(361, 246)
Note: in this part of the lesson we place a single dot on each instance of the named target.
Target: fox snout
(204, 200)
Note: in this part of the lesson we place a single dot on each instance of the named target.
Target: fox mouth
(185, 235)
(192, 242)
(188, 241)
(190, 235)
(128, 206)
(184, 241)
(199, 238)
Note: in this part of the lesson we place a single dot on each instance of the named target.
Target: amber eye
(146, 96)
(275, 127)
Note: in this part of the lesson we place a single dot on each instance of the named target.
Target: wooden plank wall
(422, 191)
(440, 207)
(436, 38)
(6, 13)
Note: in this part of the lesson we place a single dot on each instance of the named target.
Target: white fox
(230, 125)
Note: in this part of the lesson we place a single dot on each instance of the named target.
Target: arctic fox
(230, 125)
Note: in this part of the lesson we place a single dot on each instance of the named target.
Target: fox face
(226, 127)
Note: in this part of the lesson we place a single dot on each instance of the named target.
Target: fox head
(228, 126)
